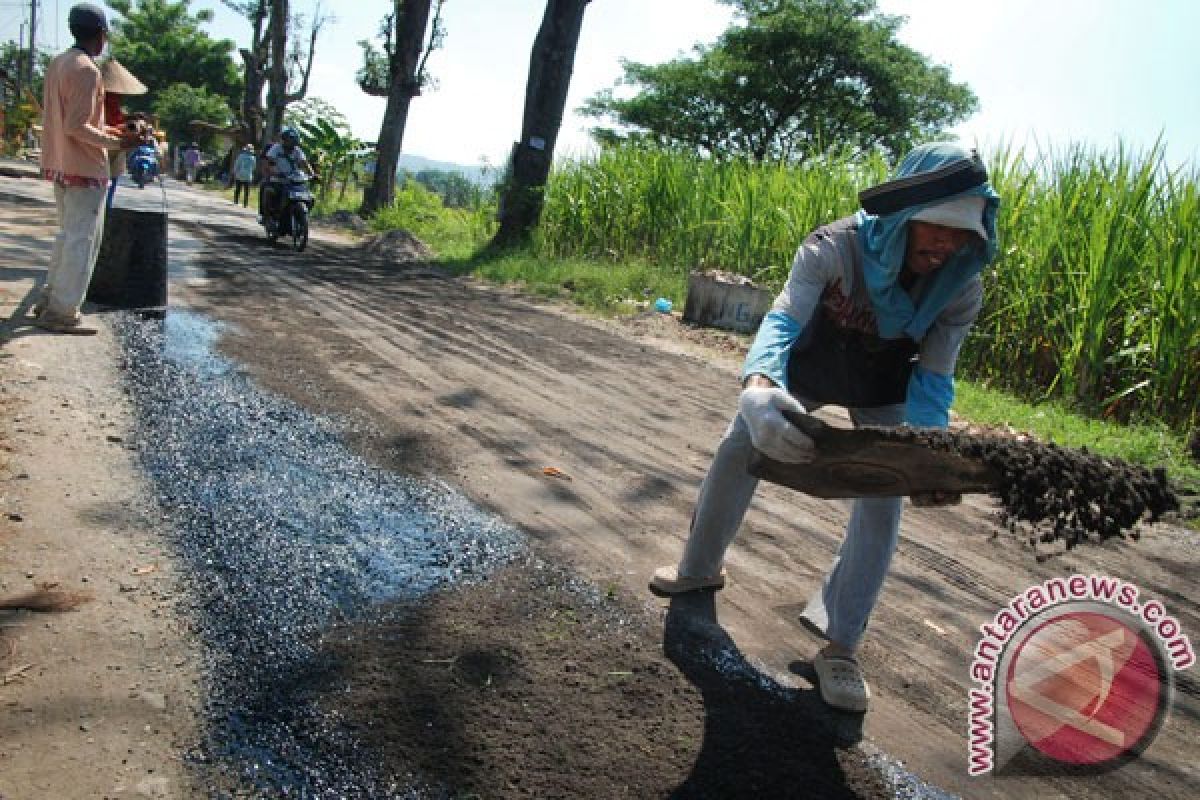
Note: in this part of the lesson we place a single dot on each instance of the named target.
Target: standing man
(243, 174)
(74, 141)
(871, 318)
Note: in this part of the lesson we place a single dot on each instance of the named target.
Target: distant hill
(476, 174)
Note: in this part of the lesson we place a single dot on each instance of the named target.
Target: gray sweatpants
(80, 230)
(843, 604)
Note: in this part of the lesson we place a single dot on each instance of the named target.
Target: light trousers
(842, 605)
(80, 228)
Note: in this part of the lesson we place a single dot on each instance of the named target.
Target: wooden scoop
(871, 462)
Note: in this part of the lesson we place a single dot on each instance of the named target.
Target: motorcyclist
(279, 162)
(142, 161)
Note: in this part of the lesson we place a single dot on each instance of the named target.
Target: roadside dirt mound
(397, 246)
(671, 327)
(1058, 493)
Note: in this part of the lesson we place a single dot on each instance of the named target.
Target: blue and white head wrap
(929, 175)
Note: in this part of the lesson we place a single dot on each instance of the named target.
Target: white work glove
(773, 436)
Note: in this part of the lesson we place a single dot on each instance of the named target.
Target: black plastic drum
(131, 269)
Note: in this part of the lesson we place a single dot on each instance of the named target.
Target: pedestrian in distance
(191, 162)
(244, 167)
(874, 311)
(75, 140)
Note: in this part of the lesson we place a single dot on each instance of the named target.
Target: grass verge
(602, 288)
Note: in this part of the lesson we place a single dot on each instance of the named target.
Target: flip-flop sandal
(841, 682)
(667, 581)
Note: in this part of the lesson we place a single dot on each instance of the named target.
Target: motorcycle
(142, 164)
(295, 201)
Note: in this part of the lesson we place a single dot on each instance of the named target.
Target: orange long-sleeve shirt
(73, 137)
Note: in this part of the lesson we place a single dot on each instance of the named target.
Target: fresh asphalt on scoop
(281, 531)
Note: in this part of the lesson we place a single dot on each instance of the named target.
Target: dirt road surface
(96, 702)
(485, 389)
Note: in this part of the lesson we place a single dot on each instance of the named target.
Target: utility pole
(32, 43)
(20, 76)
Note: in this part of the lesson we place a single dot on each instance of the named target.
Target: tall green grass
(1094, 300)
(682, 212)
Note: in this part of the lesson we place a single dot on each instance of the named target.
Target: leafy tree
(312, 109)
(455, 189)
(179, 104)
(790, 76)
(14, 70)
(399, 73)
(20, 104)
(162, 43)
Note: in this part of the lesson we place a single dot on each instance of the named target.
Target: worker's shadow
(20, 322)
(761, 738)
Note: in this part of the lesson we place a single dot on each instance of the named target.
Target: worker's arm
(931, 387)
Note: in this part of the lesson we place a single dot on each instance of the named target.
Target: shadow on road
(761, 739)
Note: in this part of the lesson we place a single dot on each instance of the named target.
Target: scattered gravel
(282, 532)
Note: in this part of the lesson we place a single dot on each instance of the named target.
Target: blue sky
(1047, 72)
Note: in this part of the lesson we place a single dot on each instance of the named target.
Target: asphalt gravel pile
(281, 532)
(1058, 493)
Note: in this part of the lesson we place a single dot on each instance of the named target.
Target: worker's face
(930, 245)
(96, 46)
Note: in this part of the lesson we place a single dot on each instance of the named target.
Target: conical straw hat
(119, 80)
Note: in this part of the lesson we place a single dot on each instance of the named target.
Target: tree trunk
(254, 59)
(550, 67)
(277, 76)
(411, 18)
(382, 191)
(252, 112)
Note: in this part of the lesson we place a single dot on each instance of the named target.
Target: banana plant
(336, 152)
